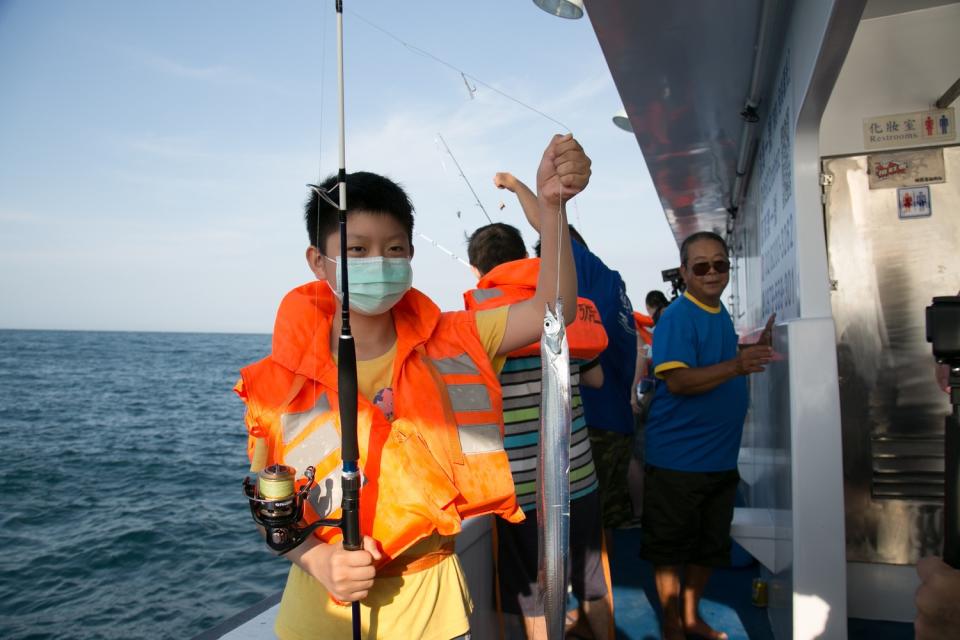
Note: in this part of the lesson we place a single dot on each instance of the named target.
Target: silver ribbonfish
(553, 471)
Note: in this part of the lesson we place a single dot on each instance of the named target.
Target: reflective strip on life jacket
(317, 445)
(457, 364)
(482, 295)
(310, 437)
(480, 438)
(469, 398)
(259, 454)
(294, 423)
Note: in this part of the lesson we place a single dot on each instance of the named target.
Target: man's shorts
(611, 456)
(517, 558)
(687, 516)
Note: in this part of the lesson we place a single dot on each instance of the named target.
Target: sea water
(121, 510)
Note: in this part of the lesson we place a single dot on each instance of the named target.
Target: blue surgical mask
(376, 284)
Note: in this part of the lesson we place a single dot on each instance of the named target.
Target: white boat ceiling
(683, 70)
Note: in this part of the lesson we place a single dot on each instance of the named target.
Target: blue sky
(153, 156)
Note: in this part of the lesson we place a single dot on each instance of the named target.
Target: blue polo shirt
(609, 406)
(700, 432)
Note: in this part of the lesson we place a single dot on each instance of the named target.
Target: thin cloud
(19, 217)
(173, 68)
(180, 70)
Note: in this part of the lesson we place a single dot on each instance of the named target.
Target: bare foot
(668, 632)
(700, 629)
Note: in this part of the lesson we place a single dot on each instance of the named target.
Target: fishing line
(445, 250)
(465, 75)
(323, 82)
(556, 298)
(476, 80)
(316, 293)
(462, 175)
(470, 90)
(276, 488)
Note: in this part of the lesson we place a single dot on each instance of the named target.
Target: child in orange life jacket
(506, 275)
(430, 411)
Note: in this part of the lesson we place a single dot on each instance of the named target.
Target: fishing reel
(277, 507)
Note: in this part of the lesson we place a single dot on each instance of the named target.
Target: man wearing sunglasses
(693, 436)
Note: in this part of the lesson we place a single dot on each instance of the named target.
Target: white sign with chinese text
(905, 168)
(915, 129)
(914, 202)
(772, 188)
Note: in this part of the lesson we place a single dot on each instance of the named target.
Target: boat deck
(726, 605)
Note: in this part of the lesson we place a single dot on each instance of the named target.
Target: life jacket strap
(403, 566)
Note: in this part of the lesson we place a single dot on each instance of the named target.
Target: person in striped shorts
(499, 257)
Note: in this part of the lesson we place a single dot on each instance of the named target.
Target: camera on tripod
(676, 281)
(943, 331)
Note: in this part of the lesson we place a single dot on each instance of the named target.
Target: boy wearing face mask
(429, 416)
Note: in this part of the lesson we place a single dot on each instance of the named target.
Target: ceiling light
(622, 121)
(572, 9)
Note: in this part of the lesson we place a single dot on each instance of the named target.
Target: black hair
(656, 299)
(494, 244)
(573, 234)
(365, 192)
(701, 235)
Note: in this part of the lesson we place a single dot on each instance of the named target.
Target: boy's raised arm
(564, 172)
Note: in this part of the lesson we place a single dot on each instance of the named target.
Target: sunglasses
(703, 268)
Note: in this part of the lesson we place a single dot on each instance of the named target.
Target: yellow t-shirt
(432, 604)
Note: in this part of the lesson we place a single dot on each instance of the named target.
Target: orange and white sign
(905, 168)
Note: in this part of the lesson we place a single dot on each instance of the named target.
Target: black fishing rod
(347, 358)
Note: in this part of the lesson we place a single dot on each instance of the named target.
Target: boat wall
(792, 441)
(884, 270)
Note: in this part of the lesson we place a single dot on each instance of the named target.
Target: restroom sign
(914, 129)
(913, 202)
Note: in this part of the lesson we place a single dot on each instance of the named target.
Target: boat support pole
(943, 331)
(949, 95)
(951, 444)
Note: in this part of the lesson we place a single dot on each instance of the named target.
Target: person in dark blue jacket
(607, 408)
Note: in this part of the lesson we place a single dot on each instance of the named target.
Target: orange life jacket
(517, 280)
(441, 459)
(644, 323)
